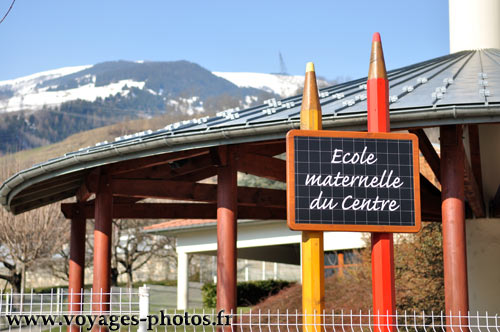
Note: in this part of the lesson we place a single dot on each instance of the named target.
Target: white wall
(483, 265)
(263, 234)
(474, 24)
(483, 235)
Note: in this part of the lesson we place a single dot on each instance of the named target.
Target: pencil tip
(309, 67)
(377, 63)
(310, 112)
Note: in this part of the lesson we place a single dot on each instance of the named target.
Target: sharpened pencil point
(310, 114)
(377, 63)
(309, 67)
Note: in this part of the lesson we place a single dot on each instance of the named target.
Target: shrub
(248, 292)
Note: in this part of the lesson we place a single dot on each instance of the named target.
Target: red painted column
(102, 246)
(453, 214)
(226, 231)
(76, 266)
(384, 294)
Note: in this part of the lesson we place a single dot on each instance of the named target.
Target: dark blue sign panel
(353, 181)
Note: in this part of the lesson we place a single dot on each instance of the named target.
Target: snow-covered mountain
(57, 103)
(26, 92)
(161, 83)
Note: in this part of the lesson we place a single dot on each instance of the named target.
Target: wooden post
(453, 214)
(76, 266)
(226, 231)
(384, 303)
(102, 246)
(340, 258)
(313, 261)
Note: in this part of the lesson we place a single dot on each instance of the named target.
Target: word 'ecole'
(339, 157)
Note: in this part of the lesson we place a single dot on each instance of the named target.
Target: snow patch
(250, 99)
(283, 85)
(89, 92)
(43, 76)
(188, 106)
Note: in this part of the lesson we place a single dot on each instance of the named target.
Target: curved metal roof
(463, 87)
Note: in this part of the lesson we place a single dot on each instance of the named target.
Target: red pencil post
(384, 302)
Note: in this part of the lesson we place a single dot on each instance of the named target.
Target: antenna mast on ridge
(283, 70)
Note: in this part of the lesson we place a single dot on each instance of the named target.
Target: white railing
(351, 321)
(135, 302)
(58, 302)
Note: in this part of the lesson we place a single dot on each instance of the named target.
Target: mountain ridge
(169, 79)
(49, 106)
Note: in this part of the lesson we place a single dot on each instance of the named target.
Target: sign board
(352, 181)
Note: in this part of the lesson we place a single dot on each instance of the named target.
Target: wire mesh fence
(129, 310)
(59, 302)
(48, 311)
(359, 321)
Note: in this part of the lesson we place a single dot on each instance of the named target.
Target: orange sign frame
(290, 181)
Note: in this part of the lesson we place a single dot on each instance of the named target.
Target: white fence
(350, 321)
(57, 302)
(30, 307)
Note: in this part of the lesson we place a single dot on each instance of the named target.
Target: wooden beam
(28, 196)
(475, 155)
(175, 211)
(117, 200)
(51, 182)
(262, 197)
(92, 180)
(495, 205)
(471, 191)
(83, 193)
(199, 175)
(154, 172)
(267, 148)
(165, 189)
(24, 206)
(430, 202)
(263, 166)
(171, 170)
(135, 164)
(191, 191)
(89, 185)
(428, 151)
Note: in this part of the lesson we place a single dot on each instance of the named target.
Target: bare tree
(59, 264)
(29, 238)
(133, 248)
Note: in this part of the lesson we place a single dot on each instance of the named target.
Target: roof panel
(491, 62)
(465, 87)
(427, 87)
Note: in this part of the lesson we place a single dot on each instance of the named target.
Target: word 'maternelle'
(384, 180)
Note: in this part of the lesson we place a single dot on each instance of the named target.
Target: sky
(226, 35)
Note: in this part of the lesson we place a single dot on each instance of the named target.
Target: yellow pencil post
(313, 264)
